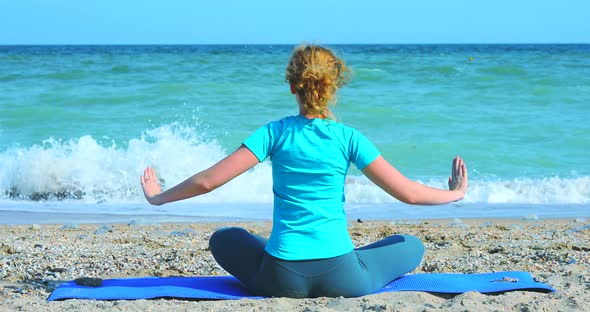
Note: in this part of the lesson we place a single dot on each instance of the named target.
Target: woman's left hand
(150, 185)
(459, 178)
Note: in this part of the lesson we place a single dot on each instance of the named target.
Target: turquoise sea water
(79, 123)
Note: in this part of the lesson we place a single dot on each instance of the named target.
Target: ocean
(78, 124)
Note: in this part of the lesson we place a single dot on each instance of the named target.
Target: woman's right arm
(203, 182)
(382, 173)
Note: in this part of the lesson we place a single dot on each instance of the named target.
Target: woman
(309, 252)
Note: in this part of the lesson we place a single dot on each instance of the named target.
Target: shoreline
(49, 218)
(63, 213)
(34, 259)
(54, 219)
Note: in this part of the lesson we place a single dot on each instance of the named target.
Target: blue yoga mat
(228, 287)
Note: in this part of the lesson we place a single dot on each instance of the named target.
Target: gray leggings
(359, 272)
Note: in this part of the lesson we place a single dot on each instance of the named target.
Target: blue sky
(292, 22)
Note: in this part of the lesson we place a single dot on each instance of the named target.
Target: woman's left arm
(203, 182)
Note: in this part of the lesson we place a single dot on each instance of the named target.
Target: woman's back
(310, 158)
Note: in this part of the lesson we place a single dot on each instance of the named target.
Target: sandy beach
(35, 259)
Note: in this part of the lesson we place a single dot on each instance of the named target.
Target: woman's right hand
(151, 187)
(459, 178)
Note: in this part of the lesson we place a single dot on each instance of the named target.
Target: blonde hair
(316, 73)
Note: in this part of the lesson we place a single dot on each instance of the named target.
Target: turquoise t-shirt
(310, 158)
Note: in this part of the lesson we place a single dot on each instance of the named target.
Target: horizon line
(289, 44)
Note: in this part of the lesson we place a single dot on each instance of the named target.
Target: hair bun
(313, 71)
(316, 74)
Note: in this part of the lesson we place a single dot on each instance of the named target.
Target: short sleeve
(261, 142)
(362, 151)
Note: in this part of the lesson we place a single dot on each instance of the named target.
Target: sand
(35, 259)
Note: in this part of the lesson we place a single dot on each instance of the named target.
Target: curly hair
(316, 73)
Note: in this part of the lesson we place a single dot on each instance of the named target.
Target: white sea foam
(110, 173)
(552, 190)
